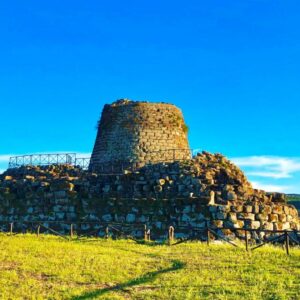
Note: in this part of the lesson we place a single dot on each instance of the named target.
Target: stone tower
(132, 133)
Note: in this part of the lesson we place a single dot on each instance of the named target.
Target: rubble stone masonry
(140, 132)
(206, 190)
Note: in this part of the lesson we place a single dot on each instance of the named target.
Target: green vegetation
(50, 267)
(294, 200)
(185, 128)
(293, 197)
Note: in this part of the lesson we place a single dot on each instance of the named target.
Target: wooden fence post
(246, 240)
(71, 231)
(106, 232)
(11, 226)
(145, 233)
(38, 230)
(171, 234)
(208, 236)
(287, 243)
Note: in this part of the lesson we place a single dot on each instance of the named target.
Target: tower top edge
(129, 102)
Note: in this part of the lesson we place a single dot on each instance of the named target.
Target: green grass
(52, 268)
(293, 197)
(294, 200)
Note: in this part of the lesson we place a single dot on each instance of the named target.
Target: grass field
(49, 267)
(293, 197)
(294, 200)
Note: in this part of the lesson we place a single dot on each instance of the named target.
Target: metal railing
(160, 156)
(42, 159)
(49, 159)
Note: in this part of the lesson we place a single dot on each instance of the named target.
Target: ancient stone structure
(168, 189)
(136, 133)
(189, 195)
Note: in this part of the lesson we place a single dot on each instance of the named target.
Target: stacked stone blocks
(137, 133)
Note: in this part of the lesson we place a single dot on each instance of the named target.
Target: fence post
(71, 231)
(207, 236)
(287, 243)
(149, 235)
(246, 239)
(11, 226)
(145, 233)
(171, 234)
(106, 232)
(38, 230)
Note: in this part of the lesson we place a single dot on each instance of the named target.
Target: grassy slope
(294, 200)
(49, 267)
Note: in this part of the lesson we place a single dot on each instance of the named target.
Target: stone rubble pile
(207, 189)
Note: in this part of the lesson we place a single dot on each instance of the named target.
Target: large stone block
(268, 226)
(59, 215)
(278, 209)
(256, 209)
(232, 216)
(261, 217)
(273, 218)
(234, 224)
(130, 218)
(254, 224)
(282, 218)
(246, 216)
(282, 226)
(217, 223)
(248, 208)
(286, 209)
(266, 209)
(221, 215)
(237, 208)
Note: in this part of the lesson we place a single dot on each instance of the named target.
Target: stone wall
(140, 132)
(206, 190)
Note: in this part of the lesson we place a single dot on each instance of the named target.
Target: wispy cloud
(269, 166)
(5, 157)
(271, 187)
(271, 173)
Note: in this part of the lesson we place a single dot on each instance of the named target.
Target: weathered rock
(188, 194)
(130, 218)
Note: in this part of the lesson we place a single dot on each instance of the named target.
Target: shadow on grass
(138, 242)
(148, 277)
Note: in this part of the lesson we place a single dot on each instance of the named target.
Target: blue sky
(232, 66)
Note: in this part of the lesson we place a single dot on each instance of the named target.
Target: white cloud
(270, 187)
(269, 166)
(5, 157)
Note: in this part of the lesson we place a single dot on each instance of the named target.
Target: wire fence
(145, 233)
